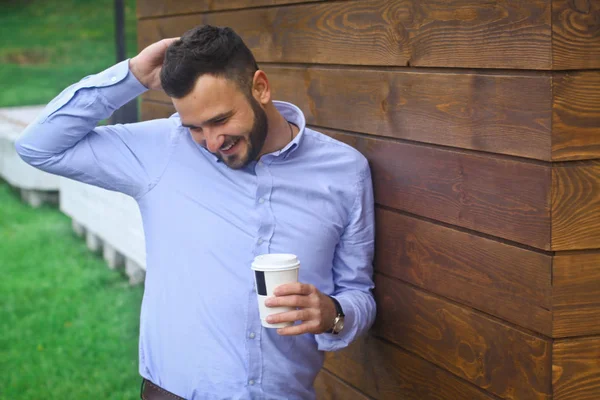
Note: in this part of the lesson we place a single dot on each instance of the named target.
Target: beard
(254, 142)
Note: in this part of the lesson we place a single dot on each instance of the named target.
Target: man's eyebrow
(211, 120)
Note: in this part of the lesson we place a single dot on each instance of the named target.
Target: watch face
(339, 325)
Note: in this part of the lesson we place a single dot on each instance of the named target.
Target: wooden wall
(481, 120)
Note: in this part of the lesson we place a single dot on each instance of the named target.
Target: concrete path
(110, 221)
(36, 187)
(14, 119)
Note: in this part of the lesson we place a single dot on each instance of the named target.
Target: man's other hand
(315, 310)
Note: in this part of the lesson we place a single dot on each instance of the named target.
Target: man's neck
(280, 133)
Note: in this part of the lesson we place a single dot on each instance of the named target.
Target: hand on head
(147, 64)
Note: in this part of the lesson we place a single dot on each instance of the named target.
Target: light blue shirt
(200, 330)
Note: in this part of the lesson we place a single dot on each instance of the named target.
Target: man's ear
(261, 90)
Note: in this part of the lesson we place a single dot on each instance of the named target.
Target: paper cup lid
(275, 262)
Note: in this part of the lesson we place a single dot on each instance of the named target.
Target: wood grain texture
(575, 34)
(576, 115)
(496, 357)
(482, 33)
(330, 387)
(576, 206)
(501, 197)
(506, 281)
(495, 113)
(154, 110)
(161, 8)
(576, 369)
(386, 372)
(492, 113)
(576, 294)
(505, 198)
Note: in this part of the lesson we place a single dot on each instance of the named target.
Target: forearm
(353, 265)
(75, 112)
(359, 309)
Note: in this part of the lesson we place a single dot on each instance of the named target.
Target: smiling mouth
(227, 147)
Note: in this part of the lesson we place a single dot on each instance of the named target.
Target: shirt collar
(294, 115)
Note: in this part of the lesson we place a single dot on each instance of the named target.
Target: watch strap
(338, 306)
(339, 314)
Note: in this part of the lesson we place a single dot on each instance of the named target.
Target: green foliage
(68, 325)
(46, 45)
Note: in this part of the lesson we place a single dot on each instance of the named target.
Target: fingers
(308, 304)
(289, 301)
(290, 316)
(294, 288)
(167, 41)
(310, 318)
(307, 327)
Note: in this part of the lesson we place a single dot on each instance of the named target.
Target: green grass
(68, 324)
(46, 45)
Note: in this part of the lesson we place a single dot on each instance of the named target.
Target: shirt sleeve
(353, 269)
(64, 139)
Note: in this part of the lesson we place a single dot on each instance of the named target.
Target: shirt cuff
(124, 86)
(331, 342)
(117, 85)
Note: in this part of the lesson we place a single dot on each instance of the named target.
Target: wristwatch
(338, 322)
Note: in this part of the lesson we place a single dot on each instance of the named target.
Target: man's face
(224, 120)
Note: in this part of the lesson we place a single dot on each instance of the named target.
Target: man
(232, 175)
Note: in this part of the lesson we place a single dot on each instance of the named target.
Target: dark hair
(210, 50)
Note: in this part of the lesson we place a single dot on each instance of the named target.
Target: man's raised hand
(146, 66)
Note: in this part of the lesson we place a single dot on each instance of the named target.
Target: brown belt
(150, 391)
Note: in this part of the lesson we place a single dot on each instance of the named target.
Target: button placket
(253, 340)
(254, 327)
(262, 195)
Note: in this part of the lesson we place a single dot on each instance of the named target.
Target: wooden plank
(576, 369)
(384, 371)
(153, 110)
(496, 357)
(576, 206)
(575, 34)
(503, 280)
(501, 197)
(487, 112)
(496, 113)
(576, 294)
(329, 387)
(483, 33)
(576, 115)
(161, 8)
(156, 95)
(505, 198)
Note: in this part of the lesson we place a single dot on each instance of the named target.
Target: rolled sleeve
(353, 268)
(65, 139)
(127, 87)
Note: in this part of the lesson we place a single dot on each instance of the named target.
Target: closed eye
(219, 121)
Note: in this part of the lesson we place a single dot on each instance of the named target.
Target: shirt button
(261, 200)
(113, 79)
(252, 335)
(251, 382)
(260, 241)
(260, 163)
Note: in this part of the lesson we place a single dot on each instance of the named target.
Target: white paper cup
(270, 271)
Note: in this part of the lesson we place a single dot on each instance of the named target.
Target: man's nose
(214, 141)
